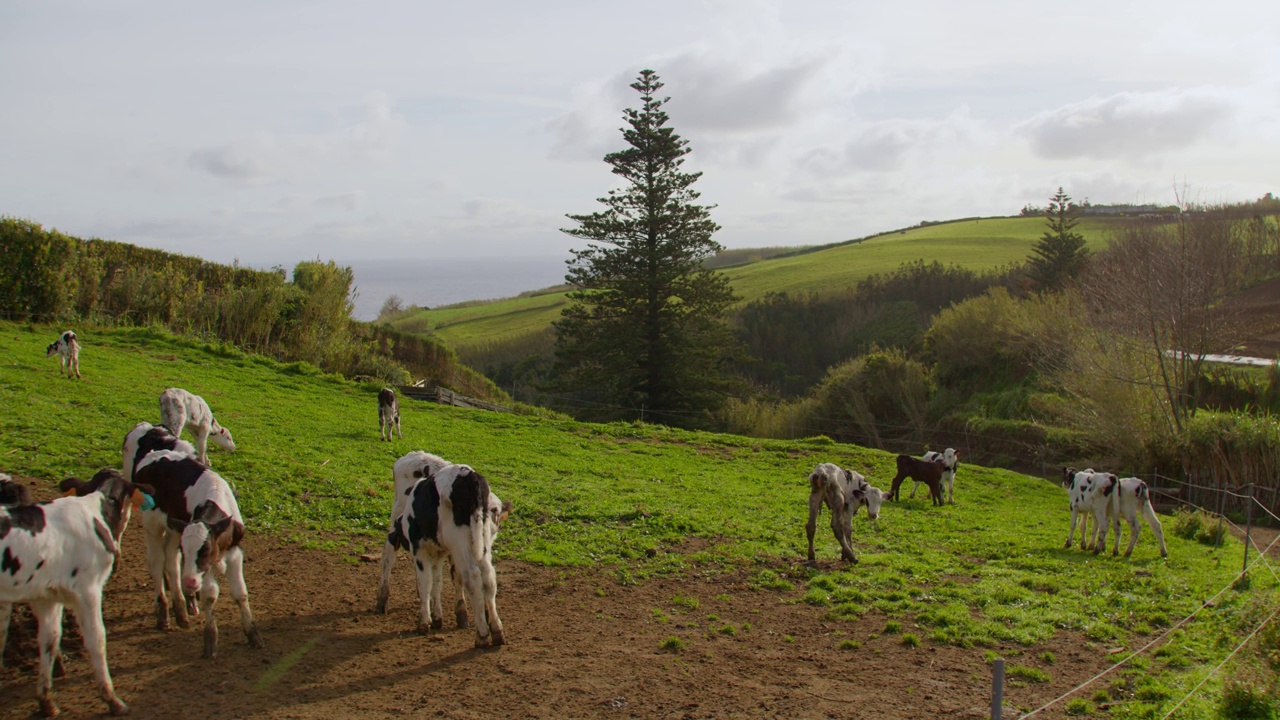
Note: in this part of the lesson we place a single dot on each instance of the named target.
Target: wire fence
(1261, 557)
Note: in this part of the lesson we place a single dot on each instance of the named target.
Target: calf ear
(504, 512)
(71, 486)
(217, 529)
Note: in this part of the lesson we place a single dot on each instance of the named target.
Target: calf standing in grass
(1133, 497)
(1089, 493)
(62, 553)
(451, 514)
(950, 461)
(67, 348)
(844, 491)
(388, 414)
(179, 409)
(928, 472)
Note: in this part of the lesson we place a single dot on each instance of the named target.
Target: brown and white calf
(67, 348)
(179, 409)
(61, 553)
(928, 472)
(452, 515)
(197, 503)
(12, 494)
(843, 491)
(388, 414)
(1089, 494)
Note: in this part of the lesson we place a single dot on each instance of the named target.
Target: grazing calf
(67, 348)
(179, 409)
(62, 553)
(388, 414)
(1131, 498)
(950, 462)
(201, 505)
(843, 491)
(1090, 493)
(928, 472)
(451, 515)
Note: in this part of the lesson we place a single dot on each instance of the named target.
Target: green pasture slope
(989, 571)
(980, 244)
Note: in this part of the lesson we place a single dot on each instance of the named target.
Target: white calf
(950, 462)
(179, 409)
(62, 552)
(451, 515)
(843, 491)
(67, 348)
(1133, 497)
(1089, 493)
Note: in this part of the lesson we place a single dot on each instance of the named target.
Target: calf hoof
(48, 708)
(117, 707)
(422, 628)
(1067, 546)
(210, 643)
(254, 637)
(498, 639)
(437, 623)
(461, 619)
(481, 642)
(1164, 553)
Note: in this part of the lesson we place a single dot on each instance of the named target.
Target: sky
(272, 132)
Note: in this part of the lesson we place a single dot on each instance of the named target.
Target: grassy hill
(979, 244)
(628, 498)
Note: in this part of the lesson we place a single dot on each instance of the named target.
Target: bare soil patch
(581, 646)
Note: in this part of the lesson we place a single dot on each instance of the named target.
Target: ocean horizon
(445, 281)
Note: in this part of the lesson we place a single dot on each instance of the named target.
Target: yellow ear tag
(69, 493)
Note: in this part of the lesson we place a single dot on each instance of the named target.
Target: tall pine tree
(1060, 254)
(645, 332)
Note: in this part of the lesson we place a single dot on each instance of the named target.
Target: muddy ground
(580, 646)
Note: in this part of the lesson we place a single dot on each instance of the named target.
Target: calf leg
(1100, 527)
(202, 444)
(1148, 514)
(489, 586)
(842, 526)
(474, 587)
(437, 590)
(49, 616)
(815, 507)
(915, 485)
(425, 570)
(88, 610)
(1134, 529)
(951, 489)
(208, 597)
(384, 587)
(459, 598)
(1075, 515)
(240, 593)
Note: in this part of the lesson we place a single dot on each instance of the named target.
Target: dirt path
(581, 646)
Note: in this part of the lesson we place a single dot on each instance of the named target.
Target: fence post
(1248, 531)
(997, 688)
(1222, 510)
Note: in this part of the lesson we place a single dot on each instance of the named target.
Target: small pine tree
(1060, 254)
(645, 331)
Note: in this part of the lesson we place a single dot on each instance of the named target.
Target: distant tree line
(49, 277)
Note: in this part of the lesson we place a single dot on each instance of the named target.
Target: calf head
(222, 436)
(53, 348)
(203, 544)
(872, 497)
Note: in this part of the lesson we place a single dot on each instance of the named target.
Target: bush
(1245, 702)
(1199, 526)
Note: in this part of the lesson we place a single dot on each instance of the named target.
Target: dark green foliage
(49, 277)
(883, 394)
(793, 340)
(645, 331)
(1060, 254)
(1245, 702)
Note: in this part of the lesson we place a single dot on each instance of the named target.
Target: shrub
(1245, 702)
(672, 644)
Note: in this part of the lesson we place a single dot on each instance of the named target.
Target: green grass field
(625, 498)
(974, 244)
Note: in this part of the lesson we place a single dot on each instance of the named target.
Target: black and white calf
(388, 414)
(162, 543)
(197, 503)
(67, 348)
(1133, 497)
(843, 491)
(179, 409)
(1089, 493)
(62, 553)
(452, 515)
(950, 462)
(406, 473)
